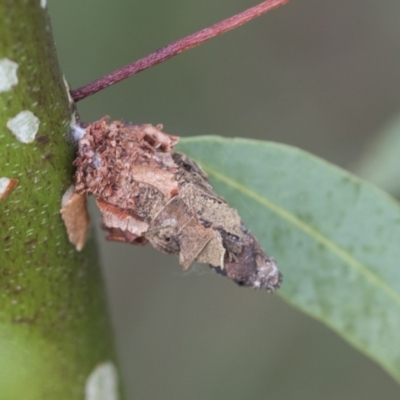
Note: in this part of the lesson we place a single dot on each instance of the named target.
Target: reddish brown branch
(177, 47)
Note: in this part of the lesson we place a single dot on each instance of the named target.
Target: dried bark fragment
(76, 218)
(7, 185)
(147, 193)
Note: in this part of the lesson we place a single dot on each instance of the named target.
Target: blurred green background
(318, 74)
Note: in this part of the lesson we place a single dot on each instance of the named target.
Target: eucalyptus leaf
(336, 238)
(380, 163)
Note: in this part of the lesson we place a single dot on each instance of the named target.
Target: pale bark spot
(8, 74)
(102, 383)
(24, 126)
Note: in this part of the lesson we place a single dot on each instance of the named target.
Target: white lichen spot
(102, 383)
(8, 74)
(24, 126)
(6, 186)
(77, 131)
(43, 3)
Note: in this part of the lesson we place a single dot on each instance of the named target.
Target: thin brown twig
(175, 48)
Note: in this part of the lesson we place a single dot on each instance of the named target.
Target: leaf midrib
(346, 257)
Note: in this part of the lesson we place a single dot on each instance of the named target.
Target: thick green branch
(54, 327)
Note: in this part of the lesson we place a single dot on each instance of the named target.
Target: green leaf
(380, 163)
(336, 238)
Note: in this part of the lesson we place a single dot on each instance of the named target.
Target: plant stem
(54, 325)
(177, 47)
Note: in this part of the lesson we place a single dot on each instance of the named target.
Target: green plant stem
(54, 324)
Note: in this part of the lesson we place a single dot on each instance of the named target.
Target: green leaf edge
(301, 225)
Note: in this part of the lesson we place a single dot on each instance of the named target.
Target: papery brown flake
(11, 185)
(147, 193)
(75, 216)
